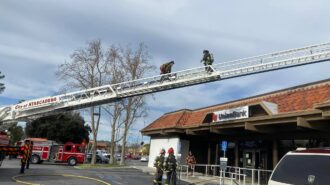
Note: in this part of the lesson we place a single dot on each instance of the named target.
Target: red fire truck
(4, 143)
(47, 150)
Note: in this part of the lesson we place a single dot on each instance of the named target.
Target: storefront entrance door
(256, 159)
(248, 159)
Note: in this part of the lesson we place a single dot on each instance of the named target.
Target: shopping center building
(259, 129)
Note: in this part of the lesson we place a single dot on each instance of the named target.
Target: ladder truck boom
(114, 92)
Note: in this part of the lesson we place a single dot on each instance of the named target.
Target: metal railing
(236, 175)
(232, 178)
(253, 176)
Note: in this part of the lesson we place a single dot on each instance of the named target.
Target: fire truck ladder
(115, 92)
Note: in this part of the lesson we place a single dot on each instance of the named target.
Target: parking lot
(48, 174)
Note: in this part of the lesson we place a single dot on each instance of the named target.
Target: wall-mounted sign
(231, 114)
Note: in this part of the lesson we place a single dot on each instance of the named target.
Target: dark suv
(303, 167)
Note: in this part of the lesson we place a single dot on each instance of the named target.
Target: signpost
(223, 162)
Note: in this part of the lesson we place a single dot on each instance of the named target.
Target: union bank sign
(231, 114)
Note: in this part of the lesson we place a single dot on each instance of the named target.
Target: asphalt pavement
(58, 174)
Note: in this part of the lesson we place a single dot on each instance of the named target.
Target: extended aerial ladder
(114, 92)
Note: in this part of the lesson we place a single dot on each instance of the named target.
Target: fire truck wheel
(72, 161)
(35, 159)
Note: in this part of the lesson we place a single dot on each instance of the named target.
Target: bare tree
(114, 110)
(2, 86)
(87, 69)
(135, 65)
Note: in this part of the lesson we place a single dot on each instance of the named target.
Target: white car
(144, 159)
(303, 167)
(105, 154)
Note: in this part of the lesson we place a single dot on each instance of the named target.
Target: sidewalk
(200, 180)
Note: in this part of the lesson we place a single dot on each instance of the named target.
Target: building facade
(259, 130)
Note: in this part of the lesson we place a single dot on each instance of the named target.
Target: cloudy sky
(36, 36)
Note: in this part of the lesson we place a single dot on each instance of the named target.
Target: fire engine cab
(48, 150)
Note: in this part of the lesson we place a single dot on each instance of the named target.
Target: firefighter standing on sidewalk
(170, 166)
(159, 164)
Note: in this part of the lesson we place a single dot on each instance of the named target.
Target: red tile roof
(295, 99)
(171, 119)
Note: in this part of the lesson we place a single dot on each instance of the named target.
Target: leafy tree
(2, 86)
(64, 127)
(16, 133)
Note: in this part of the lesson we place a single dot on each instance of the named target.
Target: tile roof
(172, 119)
(295, 99)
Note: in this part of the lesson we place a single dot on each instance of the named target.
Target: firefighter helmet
(170, 151)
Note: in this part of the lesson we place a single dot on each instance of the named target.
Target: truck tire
(35, 159)
(72, 161)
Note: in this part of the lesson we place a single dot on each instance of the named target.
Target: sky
(36, 36)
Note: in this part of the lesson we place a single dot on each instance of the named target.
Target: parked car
(118, 156)
(144, 159)
(105, 154)
(303, 166)
(136, 157)
(99, 158)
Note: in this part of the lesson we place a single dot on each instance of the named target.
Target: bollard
(206, 170)
(252, 176)
(239, 175)
(258, 176)
(180, 173)
(220, 177)
(193, 169)
(244, 180)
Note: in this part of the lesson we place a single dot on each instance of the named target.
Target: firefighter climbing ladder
(114, 92)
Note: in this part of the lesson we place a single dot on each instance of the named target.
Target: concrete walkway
(200, 180)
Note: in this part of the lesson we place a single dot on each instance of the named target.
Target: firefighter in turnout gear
(207, 60)
(170, 167)
(166, 69)
(159, 164)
